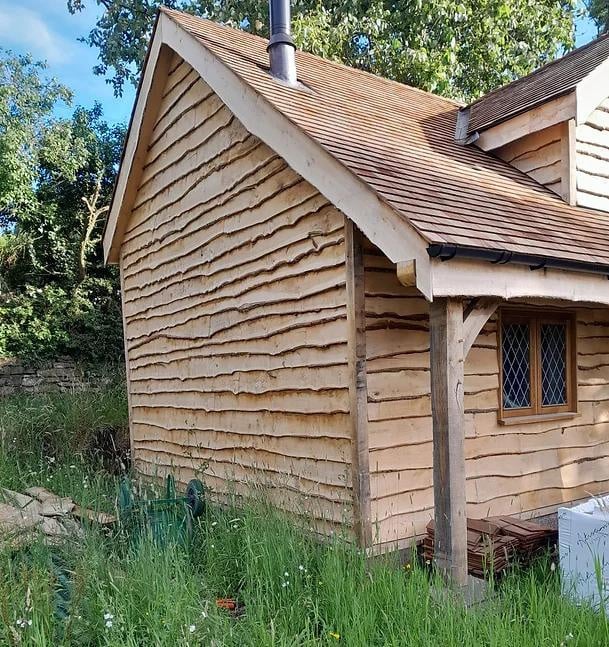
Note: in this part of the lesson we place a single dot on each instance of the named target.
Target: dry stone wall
(17, 376)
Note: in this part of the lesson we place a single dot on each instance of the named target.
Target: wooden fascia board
(381, 224)
(592, 91)
(136, 145)
(543, 116)
(465, 278)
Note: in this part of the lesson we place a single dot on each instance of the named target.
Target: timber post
(447, 360)
(358, 383)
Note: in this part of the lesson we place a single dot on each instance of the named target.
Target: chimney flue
(281, 47)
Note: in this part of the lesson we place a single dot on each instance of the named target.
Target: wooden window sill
(542, 417)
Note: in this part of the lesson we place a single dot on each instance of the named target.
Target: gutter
(446, 252)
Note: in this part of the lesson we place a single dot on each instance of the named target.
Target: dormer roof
(553, 80)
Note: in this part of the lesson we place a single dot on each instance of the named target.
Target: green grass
(294, 591)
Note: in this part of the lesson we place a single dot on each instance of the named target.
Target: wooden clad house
(371, 302)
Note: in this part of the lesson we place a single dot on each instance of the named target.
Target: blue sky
(46, 29)
(49, 32)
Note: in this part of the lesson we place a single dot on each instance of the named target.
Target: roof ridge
(454, 102)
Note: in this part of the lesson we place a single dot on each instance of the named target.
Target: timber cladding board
(509, 469)
(592, 159)
(539, 155)
(236, 314)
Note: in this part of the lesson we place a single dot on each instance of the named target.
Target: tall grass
(291, 590)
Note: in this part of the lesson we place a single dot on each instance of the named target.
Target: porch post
(446, 359)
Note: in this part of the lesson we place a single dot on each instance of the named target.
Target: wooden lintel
(358, 387)
(446, 356)
(475, 316)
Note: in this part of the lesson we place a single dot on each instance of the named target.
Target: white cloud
(24, 30)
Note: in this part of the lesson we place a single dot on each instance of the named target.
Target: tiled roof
(548, 82)
(400, 141)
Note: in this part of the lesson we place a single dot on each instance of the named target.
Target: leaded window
(537, 363)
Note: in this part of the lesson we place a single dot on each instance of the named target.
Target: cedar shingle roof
(400, 141)
(548, 82)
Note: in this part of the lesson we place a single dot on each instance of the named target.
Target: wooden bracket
(475, 316)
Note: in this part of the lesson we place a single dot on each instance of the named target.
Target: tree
(56, 296)
(599, 12)
(458, 49)
(26, 103)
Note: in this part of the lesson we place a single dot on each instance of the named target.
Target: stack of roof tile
(495, 542)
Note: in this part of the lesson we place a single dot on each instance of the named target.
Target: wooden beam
(446, 339)
(462, 277)
(358, 386)
(475, 316)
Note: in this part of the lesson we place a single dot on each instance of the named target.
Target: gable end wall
(235, 314)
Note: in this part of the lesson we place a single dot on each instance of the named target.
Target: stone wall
(19, 377)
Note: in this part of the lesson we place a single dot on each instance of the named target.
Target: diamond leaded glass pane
(516, 366)
(553, 364)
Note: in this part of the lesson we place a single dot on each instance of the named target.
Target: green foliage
(599, 12)
(56, 296)
(458, 49)
(41, 323)
(26, 102)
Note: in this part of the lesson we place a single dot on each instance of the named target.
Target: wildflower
(553, 566)
(334, 635)
(214, 523)
(192, 629)
(22, 623)
(108, 616)
(109, 624)
(204, 614)
(284, 584)
(407, 567)
(428, 562)
(301, 568)
(286, 574)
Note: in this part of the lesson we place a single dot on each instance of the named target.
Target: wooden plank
(446, 326)
(358, 390)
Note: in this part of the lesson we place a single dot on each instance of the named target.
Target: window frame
(535, 318)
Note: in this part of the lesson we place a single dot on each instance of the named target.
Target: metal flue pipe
(281, 47)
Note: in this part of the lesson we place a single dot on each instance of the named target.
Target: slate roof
(400, 141)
